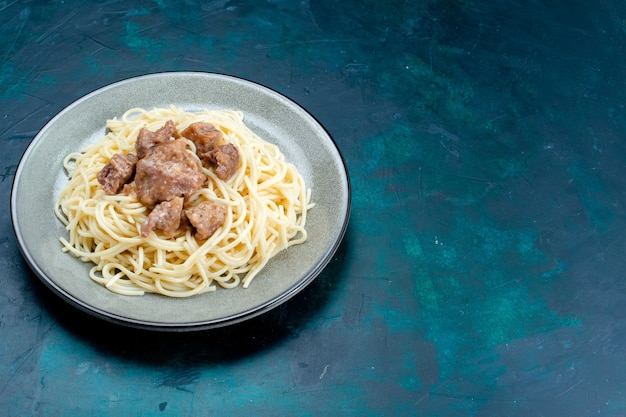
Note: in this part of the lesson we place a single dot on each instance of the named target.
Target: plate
(277, 119)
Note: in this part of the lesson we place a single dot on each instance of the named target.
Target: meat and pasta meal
(178, 203)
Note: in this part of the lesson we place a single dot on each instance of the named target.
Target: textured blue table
(483, 271)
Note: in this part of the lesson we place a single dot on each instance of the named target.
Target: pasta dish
(180, 203)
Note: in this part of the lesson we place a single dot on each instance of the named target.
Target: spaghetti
(266, 201)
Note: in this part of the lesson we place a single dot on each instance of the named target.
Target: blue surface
(482, 273)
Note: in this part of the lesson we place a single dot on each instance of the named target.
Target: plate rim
(112, 317)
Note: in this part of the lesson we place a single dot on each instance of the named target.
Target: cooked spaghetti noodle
(266, 199)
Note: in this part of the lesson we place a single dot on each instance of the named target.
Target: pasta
(266, 199)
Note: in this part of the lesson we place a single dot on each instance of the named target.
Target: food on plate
(178, 203)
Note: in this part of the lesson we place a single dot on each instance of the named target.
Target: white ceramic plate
(275, 118)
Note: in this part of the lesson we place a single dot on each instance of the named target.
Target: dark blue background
(483, 271)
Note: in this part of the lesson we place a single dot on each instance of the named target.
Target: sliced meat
(225, 159)
(147, 139)
(203, 134)
(167, 171)
(165, 217)
(206, 218)
(117, 172)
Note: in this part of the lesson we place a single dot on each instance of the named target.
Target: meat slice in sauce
(206, 218)
(147, 139)
(117, 172)
(225, 159)
(165, 216)
(203, 134)
(167, 171)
